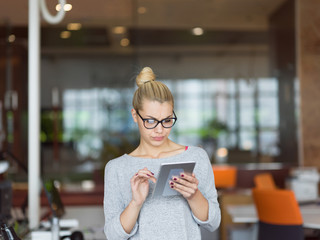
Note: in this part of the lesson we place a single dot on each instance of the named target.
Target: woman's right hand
(140, 186)
(140, 189)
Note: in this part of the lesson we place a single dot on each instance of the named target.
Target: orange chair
(279, 215)
(224, 176)
(264, 181)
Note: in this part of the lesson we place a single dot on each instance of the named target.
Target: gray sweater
(162, 218)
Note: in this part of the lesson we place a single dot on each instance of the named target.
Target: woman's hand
(140, 189)
(185, 184)
(140, 186)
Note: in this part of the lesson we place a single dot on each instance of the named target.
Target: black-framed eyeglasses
(150, 123)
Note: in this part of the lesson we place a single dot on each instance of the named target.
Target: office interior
(244, 74)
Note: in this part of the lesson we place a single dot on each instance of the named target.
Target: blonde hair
(150, 89)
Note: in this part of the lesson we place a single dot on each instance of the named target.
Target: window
(236, 114)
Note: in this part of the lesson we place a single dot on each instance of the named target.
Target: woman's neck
(165, 150)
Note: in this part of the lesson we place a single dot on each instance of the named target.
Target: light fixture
(48, 16)
(124, 42)
(65, 34)
(222, 152)
(11, 38)
(142, 10)
(197, 31)
(67, 7)
(119, 30)
(74, 26)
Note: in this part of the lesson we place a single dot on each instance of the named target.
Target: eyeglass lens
(166, 123)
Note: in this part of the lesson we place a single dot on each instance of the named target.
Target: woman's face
(158, 111)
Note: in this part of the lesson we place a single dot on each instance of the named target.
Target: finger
(135, 181)
(142, 173)
(185, 191)
(149, 172)
(146, 175)
(185, 186)
(192, 182)
(146, 171)
(186, 177)
(189, 177)
(153, 179)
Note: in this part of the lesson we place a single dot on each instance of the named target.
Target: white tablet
(167, 171)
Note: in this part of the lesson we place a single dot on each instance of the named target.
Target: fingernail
(182, 175)
(171, 183)
(136, 174)
(171, 186)
(148, 175)
(175, 179)
(152, 173)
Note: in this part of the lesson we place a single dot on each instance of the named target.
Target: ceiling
(165, 14)
(164, 26)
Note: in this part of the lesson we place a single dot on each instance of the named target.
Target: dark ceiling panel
(50, 37)
(151, 37)
(102, 37)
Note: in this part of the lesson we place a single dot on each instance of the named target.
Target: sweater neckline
(163, 158)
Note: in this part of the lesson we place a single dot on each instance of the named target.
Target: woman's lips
(158, 138)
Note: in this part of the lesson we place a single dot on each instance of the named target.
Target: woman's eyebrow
(148, 116)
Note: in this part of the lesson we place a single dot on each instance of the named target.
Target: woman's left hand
(185, 184)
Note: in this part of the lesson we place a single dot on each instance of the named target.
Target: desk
(90, 220)
(247, 214)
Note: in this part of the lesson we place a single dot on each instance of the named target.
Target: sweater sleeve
(113, 206)
(208, 189)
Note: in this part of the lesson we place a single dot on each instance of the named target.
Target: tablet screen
(167, 171)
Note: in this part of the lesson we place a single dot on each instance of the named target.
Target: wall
(283, 67)
(308, 34)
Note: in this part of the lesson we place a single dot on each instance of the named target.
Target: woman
(130, 212)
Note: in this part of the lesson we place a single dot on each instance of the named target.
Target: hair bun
(146, 75)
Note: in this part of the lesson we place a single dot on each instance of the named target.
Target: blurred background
(230, 65)
(244, 74)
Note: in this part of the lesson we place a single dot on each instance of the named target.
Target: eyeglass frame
(145, 119)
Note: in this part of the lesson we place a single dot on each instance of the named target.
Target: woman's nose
(159, 128)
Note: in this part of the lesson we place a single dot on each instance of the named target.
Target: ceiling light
(124, 42)
(222, 152)
(67, 7)
(197, 31)
(119, 30)
(74, 26)
(142, 10)
(11, 38)
(65, 34)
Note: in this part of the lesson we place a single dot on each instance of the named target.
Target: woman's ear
(134, 115)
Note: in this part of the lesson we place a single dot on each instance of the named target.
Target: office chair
(264, 181)
(279, 215)
(224, 176)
